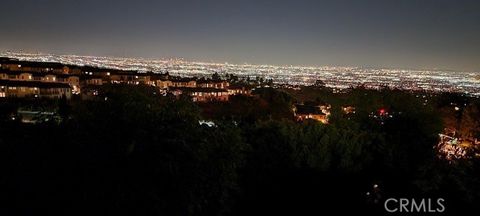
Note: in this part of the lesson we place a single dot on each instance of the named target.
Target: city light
(333, 77)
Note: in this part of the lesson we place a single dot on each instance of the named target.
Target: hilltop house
(304, 112)
(20, 88)
(202, 94)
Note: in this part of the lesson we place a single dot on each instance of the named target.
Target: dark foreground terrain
(133, 152)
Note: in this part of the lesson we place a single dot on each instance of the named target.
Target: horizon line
(225, 63)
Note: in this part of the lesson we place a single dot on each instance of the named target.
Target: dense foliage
(134, 152)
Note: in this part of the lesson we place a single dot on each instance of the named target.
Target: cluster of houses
(32, 79)
(56, 80)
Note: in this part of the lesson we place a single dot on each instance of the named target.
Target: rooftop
(186, 89)
(38, 84)
(35, 73)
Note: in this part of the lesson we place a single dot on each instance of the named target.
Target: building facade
(34, 89)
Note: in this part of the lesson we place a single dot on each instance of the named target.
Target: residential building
(202, 94)
(20, 88)
(209, 83)
(305, 112)
(239, 90)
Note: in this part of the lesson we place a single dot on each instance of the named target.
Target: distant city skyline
(429, 34)
(21, 54)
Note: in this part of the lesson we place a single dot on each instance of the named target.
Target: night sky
(387, 33)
